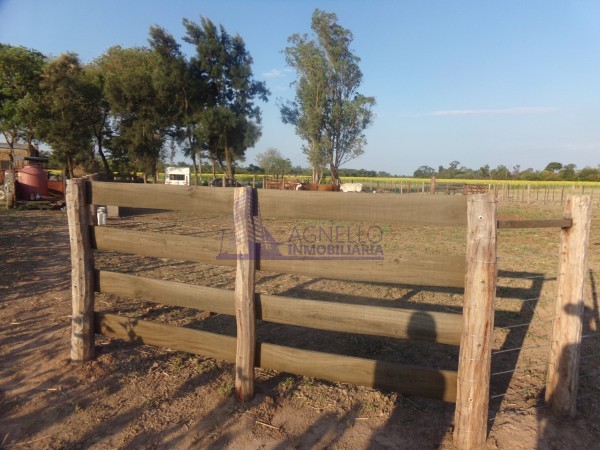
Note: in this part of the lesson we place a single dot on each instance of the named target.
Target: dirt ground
(145, 397)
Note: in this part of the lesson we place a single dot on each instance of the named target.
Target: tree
(500, 173)
(230, 122)
(272, 162)
(424, 172)
(453, 167)
(328, 112)
(139, 110)
(20, 94)
(70, 101)
(554, 167)
(567, 172)
(177, 79)
(98, 111)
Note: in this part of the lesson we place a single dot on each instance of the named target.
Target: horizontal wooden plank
(363, 207)
(160, 196)
(336, 206)
(554, 223)
(164, 292)
(137, 331)
(421, 270)
(408, 380)
(444, 328)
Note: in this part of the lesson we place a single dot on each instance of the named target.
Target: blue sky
(481, 82)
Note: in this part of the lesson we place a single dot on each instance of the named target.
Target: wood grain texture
(245, 311)
(555, 223)
(471, 416)
(563, 365)
(10, 188)
(422, 382)
(444, 328)
(438, 384)
(137, 331)
(415, 269)
(363, 207)
(82, 272)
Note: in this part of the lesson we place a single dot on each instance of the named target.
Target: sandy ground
(144, 397)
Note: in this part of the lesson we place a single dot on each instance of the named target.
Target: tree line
(132, 108)
(554, 171)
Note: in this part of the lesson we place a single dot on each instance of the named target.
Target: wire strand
(520, 348)
(518, 369)
(536, 322)
(539, 388)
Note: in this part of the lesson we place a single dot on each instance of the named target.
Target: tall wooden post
(82, 272)
(432, 186)
(563, 366)
(243, 211)
(9, 188)
(471, 416)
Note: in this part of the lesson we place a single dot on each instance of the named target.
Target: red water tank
(32, 180)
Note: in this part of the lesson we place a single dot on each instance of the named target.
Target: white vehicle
(179, 176)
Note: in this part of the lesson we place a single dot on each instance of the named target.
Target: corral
(370, 292)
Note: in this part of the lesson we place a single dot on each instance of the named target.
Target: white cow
(351, 187)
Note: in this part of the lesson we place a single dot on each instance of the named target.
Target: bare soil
(145, 397)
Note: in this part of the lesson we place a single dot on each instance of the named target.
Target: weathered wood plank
(439, 384)
(138, 331)
(160, 196)
(563, 365)
(170, 293)
(421, 270)
(444, 328)
(471, 416)
(554, 223)
(422, 382)
(245, 312)
(82, 272)
(336, 206)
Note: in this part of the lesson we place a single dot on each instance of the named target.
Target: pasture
(143, 396)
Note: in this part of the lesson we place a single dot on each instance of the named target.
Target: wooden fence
(472, 331)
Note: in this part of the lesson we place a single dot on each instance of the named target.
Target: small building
(177, 176)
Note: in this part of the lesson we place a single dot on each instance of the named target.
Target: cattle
(351, 187)
(317, 187)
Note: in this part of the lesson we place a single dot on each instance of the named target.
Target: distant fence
(468, 387)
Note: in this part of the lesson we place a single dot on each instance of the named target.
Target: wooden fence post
(471, 416)
(432, 186)
(563, 366)
(9, 188)
(244, 207)
(82, 272)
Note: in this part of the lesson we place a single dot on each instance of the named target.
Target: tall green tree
(175, 78)
(139, 110)
(70, 101)
(20, 94)
(230, 123)
(98, 112)
(328, 111)
(308, 111)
